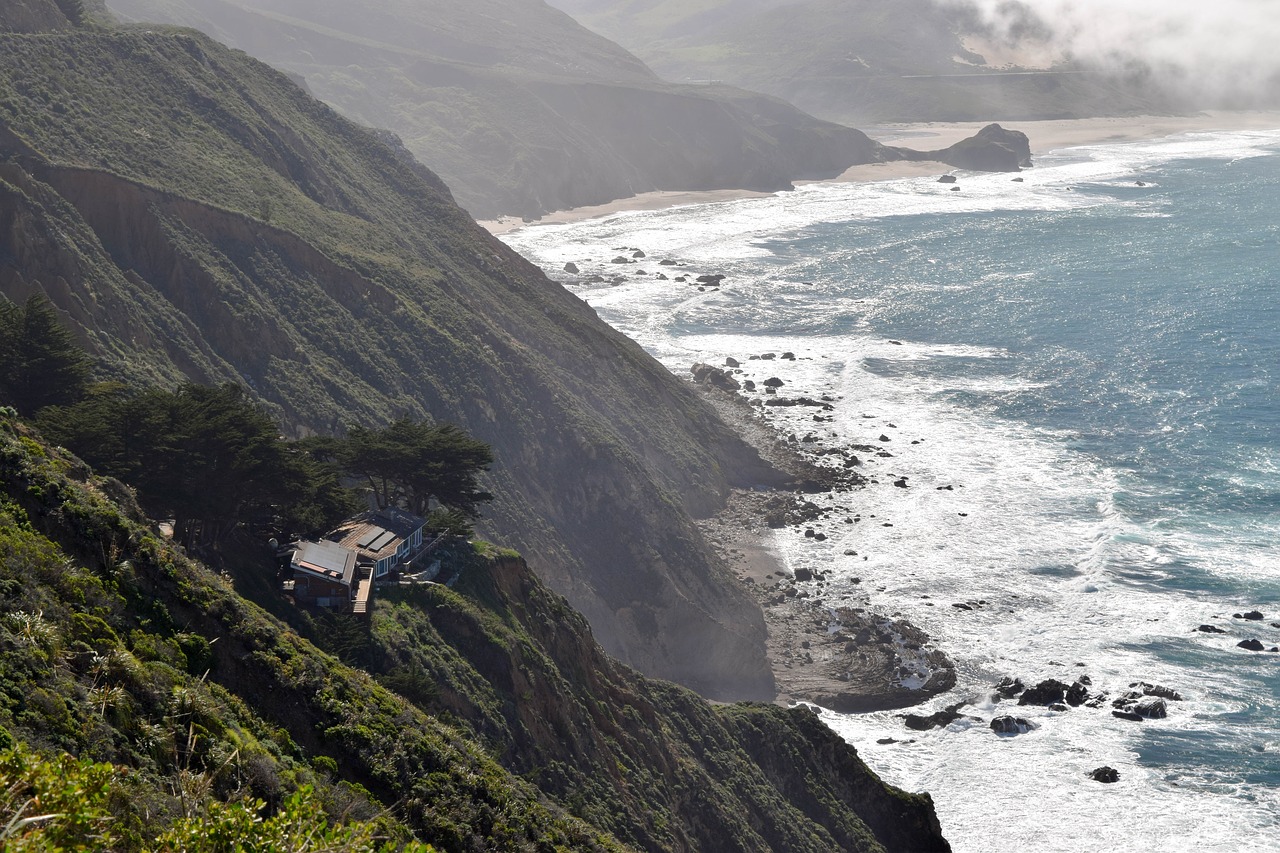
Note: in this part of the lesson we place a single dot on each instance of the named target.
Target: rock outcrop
(992, 149)
(1107, 775)
(1009, 725)
(1046, 692)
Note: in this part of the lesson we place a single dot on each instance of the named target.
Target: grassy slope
(517, 731)
(520, 109)
(117, 648)
(194, 214)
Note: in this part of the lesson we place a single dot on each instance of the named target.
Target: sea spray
(1068, 386)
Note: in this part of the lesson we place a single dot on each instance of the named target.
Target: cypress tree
(42, 363)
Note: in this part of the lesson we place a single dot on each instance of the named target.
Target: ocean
(1090, 359)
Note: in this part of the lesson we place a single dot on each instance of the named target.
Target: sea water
(1090, 359)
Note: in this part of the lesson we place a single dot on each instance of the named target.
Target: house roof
(327, 560)
(376, 534)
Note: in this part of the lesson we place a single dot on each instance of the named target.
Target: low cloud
(1220, 50)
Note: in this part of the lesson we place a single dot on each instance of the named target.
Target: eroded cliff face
(689, 776)
(211, 222)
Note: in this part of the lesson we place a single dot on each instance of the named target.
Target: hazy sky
(1223, 44)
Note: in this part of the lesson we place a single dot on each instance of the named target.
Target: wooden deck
(363, 593)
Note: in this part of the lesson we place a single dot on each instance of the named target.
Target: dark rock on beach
(714, 376)
(947, 179)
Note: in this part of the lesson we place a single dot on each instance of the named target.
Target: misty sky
(1224, 45)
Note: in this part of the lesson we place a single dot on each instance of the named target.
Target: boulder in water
(571, 268)
(1047, 692)
(1253, 644)
(1077, 694)
(1008, 725)
(937, 719)
(1010, 687)
(1157, 690)
(1105, 774)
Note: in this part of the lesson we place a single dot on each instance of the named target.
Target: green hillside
(517, 107)
(193, 215)
(485, 717)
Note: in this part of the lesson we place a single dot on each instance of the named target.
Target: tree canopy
(411, 464)
(208, 458)
(40, 362)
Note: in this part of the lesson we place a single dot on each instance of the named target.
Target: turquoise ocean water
(1093, 366)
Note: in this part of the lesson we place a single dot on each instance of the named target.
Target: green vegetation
(410, 465)
(209, 458)
(40, 362)
(118, 649)
(491, 721)
(47, 805)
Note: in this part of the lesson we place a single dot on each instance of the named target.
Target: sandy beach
(929, 136)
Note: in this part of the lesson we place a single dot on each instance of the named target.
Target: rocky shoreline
(848, 657)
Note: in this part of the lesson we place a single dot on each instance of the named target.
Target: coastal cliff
(194, 215)
(484, 713)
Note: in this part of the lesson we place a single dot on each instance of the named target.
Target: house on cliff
(339, 571)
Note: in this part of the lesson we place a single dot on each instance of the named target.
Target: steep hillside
(194, 215)
(862, 61)
(520, 109)
(511, 729)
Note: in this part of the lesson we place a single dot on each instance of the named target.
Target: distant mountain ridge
(867, 61)
(520, 109)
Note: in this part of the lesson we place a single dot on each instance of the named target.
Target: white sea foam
(1031, 526)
